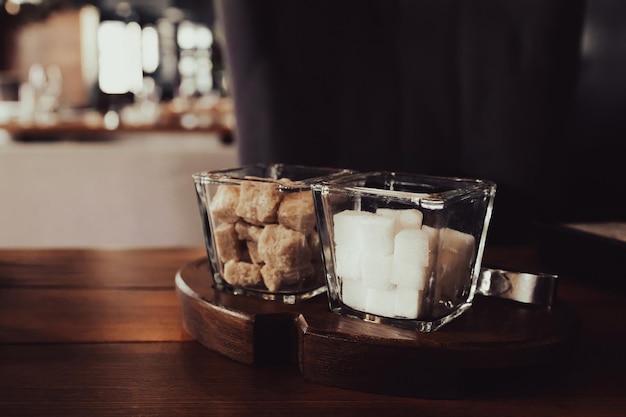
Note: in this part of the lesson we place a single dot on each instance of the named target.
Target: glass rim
(459, 187)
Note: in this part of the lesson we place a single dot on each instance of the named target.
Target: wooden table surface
(98, 332)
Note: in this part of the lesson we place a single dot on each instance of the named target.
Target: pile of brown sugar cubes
(266, 236)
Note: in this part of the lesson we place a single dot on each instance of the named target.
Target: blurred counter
(132, 190)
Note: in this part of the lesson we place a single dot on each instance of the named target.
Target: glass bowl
(402, 249)
(260, 230)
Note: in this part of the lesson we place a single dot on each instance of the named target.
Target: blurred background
(107, 107)
(139, 63)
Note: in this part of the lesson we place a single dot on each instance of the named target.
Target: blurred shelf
(84, 124)
(76, 128)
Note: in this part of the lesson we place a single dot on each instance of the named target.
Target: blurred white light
(37, 76)
(204, 37)
(187, 87)
(189, 121)
(89, 18)
(134, 57)
(111, 120)
(150, 49)
(120, 66)
(187, 65)
(204, 84)
(203, 66)
(186, 35)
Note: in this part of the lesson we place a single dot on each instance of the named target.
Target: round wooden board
(493, 339)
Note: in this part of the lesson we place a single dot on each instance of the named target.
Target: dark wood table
(98, 332)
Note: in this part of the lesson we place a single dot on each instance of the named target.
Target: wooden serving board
(495, 342)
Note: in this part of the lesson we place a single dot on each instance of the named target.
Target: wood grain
(125, 372)
(93, 268)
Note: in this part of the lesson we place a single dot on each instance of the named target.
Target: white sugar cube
(376, 234)
(376, 271)
(354, 294)
(408, 303)
(456, 250)
(412, 245)
(348, 262)
(456, 241)
(454, 259)
(345, 225)
(404, 218)
(407, 275)
(364, 231)
(381, 302)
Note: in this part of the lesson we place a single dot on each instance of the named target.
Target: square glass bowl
(402, 249)
(260, 230)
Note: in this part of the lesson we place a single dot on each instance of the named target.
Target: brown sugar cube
(297, 212)
(283, 248)
(228, 246)
(224, 202)
(246, 231)
(258, 202)
(253, 251)
(275, 278)
(242, 274)
(313, 240)
(286, 182)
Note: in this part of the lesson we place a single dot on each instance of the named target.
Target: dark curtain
(478, 88)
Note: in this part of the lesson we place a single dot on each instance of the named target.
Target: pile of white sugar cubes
(388, 262)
